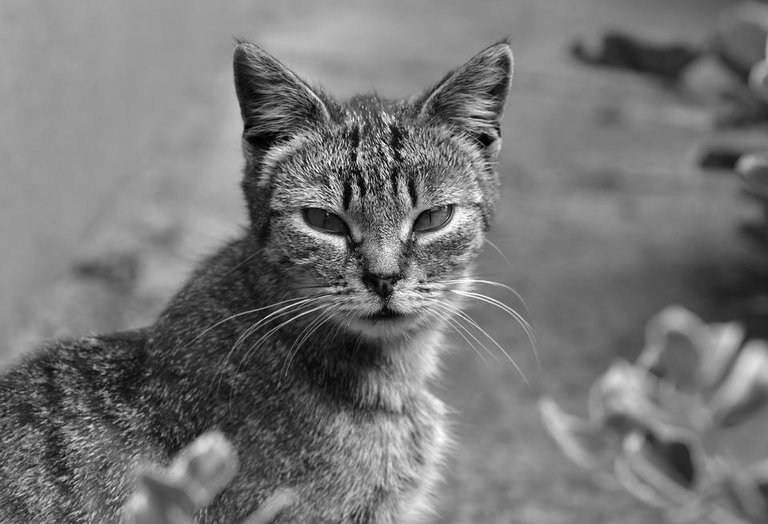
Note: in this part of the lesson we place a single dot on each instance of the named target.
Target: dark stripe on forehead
(412, 192)
(354, 138)
(394, 178)
(354, 143)
(395, 143)
(347, 198)
(361, 186)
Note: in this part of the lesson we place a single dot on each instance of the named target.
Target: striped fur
(332, 403)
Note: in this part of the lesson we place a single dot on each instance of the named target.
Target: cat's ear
(274, 102)
(472, 97)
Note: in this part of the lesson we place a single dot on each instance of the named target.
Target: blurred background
(120, 165)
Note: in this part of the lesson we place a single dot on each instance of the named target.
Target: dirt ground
(603, 220)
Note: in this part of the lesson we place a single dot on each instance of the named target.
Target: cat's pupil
(433, 219)
(324, 221)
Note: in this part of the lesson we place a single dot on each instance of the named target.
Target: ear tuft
(472, 97)
(274, 102)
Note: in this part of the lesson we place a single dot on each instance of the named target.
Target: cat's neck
(372, 374)
(202, 339)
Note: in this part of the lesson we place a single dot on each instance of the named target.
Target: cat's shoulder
(92, 360)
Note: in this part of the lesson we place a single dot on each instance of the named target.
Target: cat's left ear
(274, 102)
(472, 97)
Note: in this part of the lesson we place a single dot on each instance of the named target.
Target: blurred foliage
(647, 421)
(196, 476)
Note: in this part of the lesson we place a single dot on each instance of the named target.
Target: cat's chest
(363, 467)
(387, 451)
(385, 464)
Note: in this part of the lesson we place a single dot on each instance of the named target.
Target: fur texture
(310, 348)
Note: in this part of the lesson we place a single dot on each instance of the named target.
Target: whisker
(272, 331)
(324, 317)
(461, 329)
(339, 325)
(455, 326)
(254, 347)
(490, 283)
(275, 314)
(473, 323)
(514, 314)
(272, 316)
(498, 303)
(304, 334)
(499, 251)
(318, 286)
(243, 262)
(237, 315)
(501, 305)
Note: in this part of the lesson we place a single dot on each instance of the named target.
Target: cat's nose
(380, 284)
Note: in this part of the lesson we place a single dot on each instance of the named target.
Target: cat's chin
(384, 325)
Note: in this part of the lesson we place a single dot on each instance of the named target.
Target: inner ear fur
(275, 103)
(472, 97)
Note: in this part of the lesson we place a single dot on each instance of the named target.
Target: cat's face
(379, 208)
(380, 213)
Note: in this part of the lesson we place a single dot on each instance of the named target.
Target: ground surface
(603, 221)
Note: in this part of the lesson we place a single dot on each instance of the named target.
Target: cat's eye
(433, 219)
(324, 221)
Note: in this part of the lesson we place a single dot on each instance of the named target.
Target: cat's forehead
(386, 156)
(377, 160)
(382, 138)
(370, 124)
(371, 109)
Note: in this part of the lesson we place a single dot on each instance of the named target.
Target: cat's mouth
(386, 314)
(384, 323)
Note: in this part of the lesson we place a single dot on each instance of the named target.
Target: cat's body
(93, 409)
(309, 342)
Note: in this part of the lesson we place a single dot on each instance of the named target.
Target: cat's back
(71, 430)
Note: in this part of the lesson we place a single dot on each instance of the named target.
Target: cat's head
(380, 207)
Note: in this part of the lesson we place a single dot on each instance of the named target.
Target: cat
(309, 341)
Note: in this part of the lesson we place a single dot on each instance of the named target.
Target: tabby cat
(309, 341)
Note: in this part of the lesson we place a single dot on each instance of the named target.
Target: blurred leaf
(753, 169)
(672, 457)
(689, 376)
(758, 80)
(627, 397)
(194, 478)
(748, 492)
(673, 341)
(620, 395)
(745, 389)
(205, 467)
(280, 500)
(748, 500)
(587, 445)
(687, 353)
(661, 471)
(725, 340)
(161, 501)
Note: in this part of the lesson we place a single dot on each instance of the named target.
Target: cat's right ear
(472, 97)
(274, 102)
